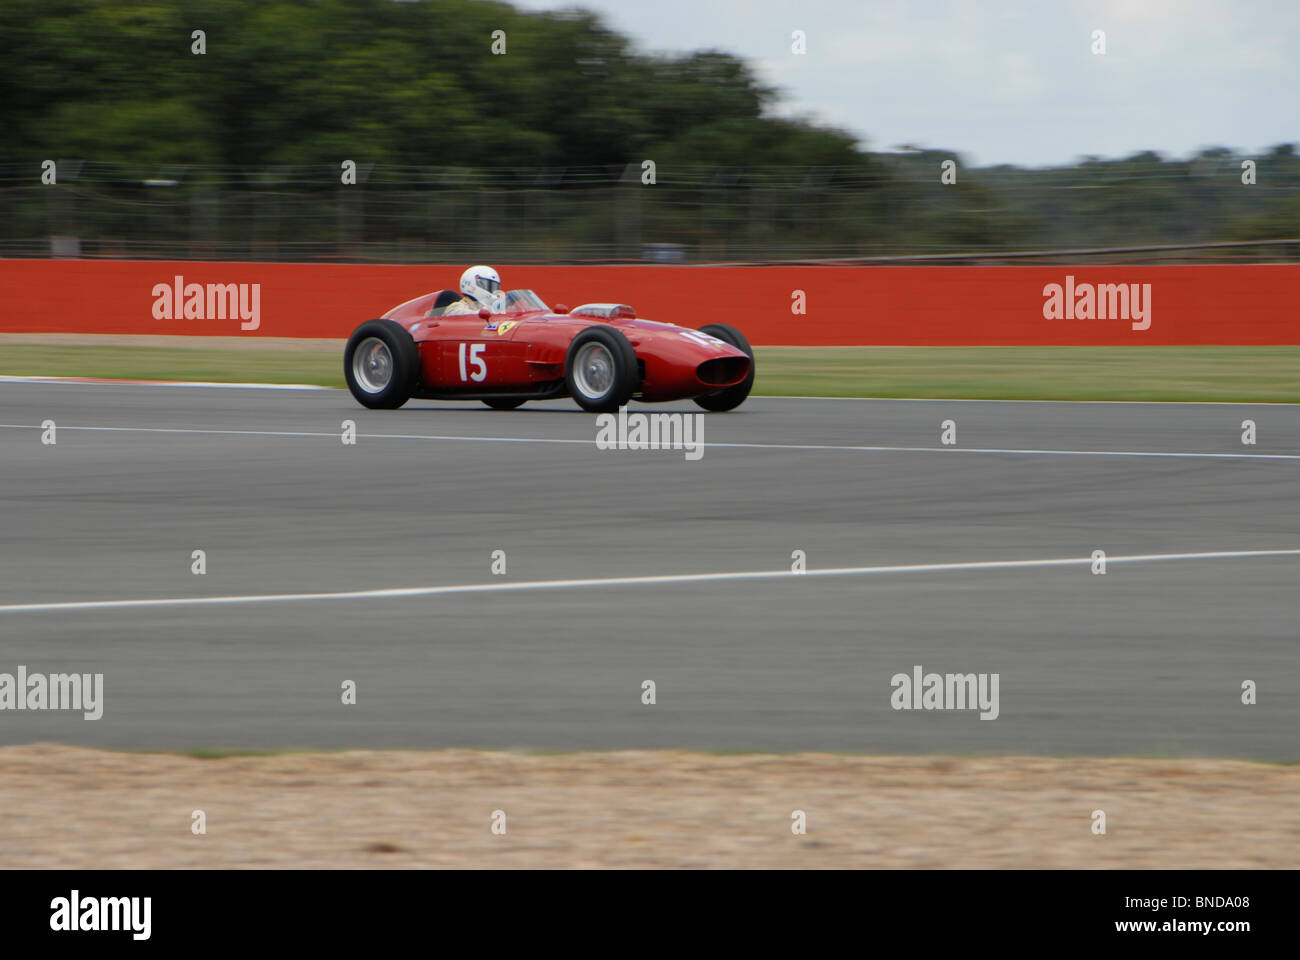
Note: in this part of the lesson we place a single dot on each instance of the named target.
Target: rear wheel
(505, 403)
(381, 364)
(731, 397)
(600, 370)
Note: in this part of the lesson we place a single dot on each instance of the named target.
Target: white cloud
(1011, 81)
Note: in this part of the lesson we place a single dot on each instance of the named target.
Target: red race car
(601, 354)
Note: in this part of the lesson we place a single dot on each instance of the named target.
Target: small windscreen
(522, 301)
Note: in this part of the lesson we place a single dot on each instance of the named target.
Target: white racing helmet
(482, 284)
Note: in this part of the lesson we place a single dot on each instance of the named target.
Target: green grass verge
(173, 363)
(1014, 373)
(1035, 373)
(229, 753)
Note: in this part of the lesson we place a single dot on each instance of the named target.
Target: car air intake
(605, 311)
(723, 371)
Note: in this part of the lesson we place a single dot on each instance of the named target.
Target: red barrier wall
(1222, 304)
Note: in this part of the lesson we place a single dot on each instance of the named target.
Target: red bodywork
(524, 353)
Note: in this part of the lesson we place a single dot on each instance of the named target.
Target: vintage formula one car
(600, 354)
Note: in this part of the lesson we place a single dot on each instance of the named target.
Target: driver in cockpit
(480, 287)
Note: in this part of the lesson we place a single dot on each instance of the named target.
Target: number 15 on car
(472, 365)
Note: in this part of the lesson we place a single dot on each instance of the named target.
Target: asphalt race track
(1147, 660)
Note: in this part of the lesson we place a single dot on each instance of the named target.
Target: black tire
(402, 366)
(505, 403)
(615, 360)
(730, 397)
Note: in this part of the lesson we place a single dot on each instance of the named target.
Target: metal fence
(897, 213)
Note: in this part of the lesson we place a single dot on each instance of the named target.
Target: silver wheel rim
(593, 370)
(372, 365)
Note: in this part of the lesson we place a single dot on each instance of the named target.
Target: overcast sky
(1006, 81)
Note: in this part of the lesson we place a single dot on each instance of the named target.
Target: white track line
(95, 381)
(92, 381)
(399, 592)
(824, 447)
(1122, 403)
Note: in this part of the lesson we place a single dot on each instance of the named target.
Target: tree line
(207, 86)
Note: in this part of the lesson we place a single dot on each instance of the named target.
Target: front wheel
(381, 364)
(729, 398)
(600, 370)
